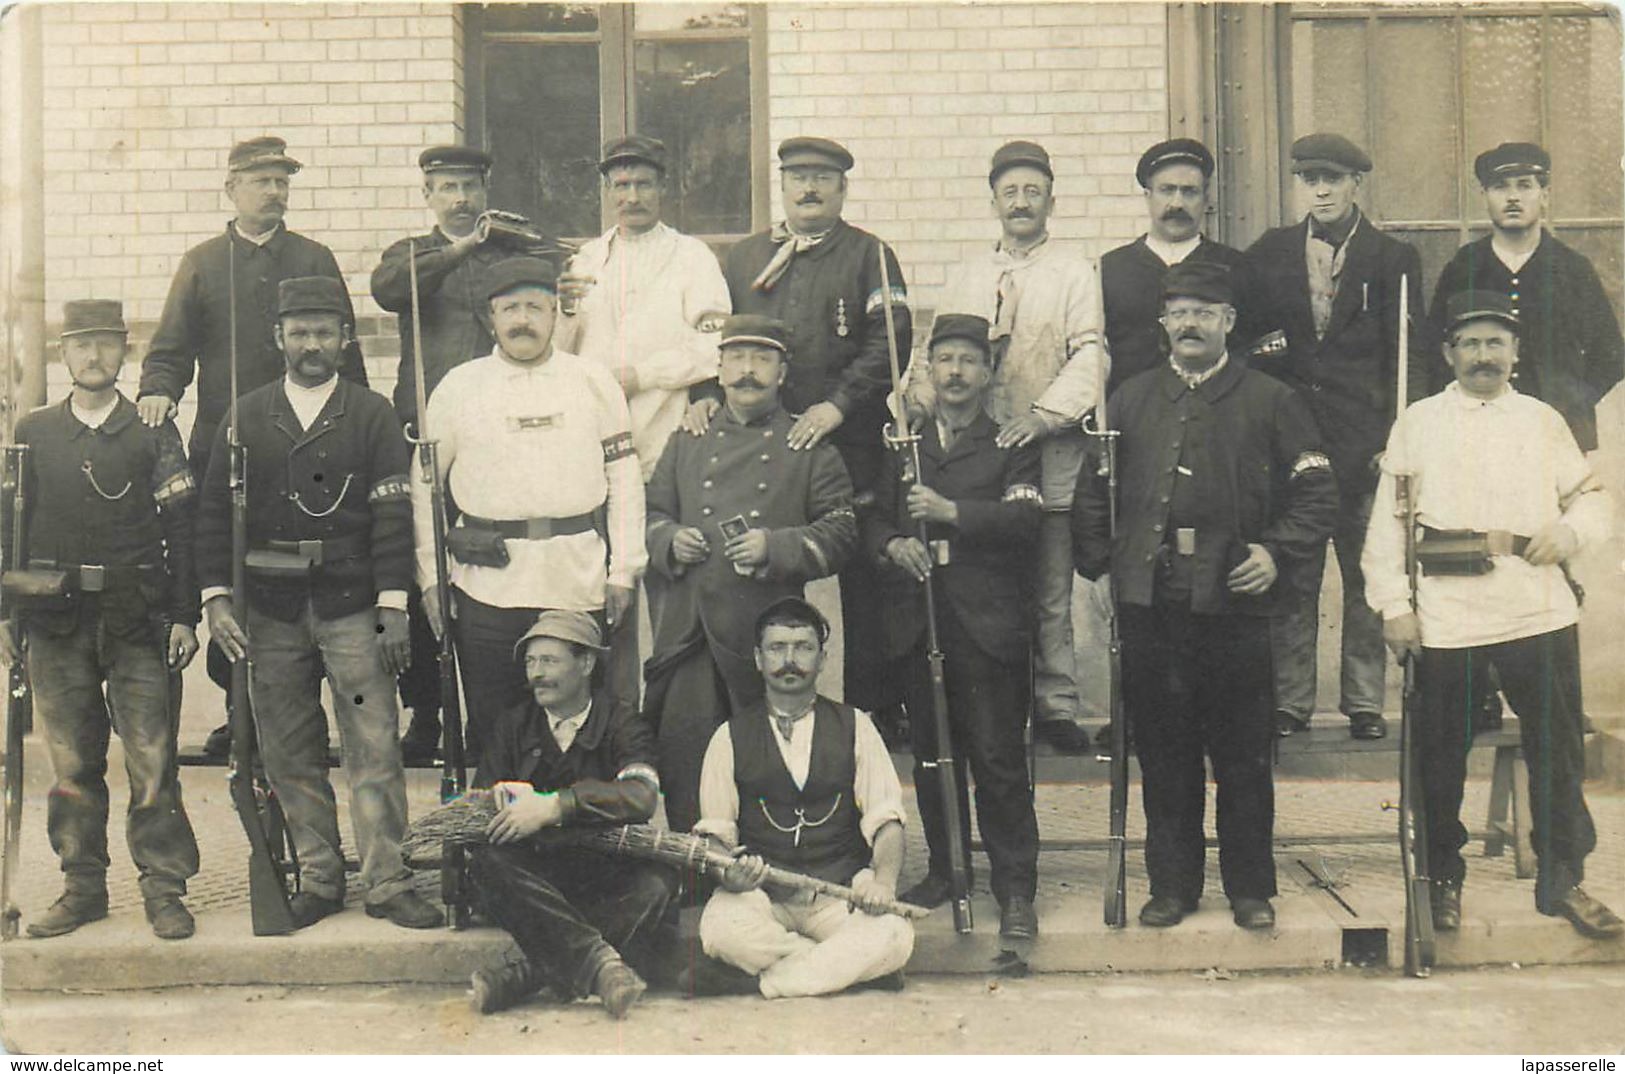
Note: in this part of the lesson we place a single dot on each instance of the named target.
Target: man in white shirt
(536, 450)
(803, 783)
(1499, 475)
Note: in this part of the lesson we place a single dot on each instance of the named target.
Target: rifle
(948, 784)
(1412, 818)
(19, 696)
(267, 892)
(1116, 889)
(453, 775)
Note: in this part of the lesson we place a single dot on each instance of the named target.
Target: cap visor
(765, 341)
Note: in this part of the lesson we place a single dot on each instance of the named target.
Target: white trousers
(800, 947)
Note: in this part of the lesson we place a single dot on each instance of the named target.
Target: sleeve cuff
(210, 592)
(393, 599)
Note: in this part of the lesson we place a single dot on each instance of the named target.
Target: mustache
(810, 199)
(955, 382)
(746, 381)
(1019, 214)
(1484, 367)
(520, 330)
(1176, 214)
(792, 669)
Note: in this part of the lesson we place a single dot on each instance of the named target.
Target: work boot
(218, 744)
(1253, 913)
(1287, 725)
(930, 893)
(1063, 736)
(421, 743)
(409, 910)
(619, 987)
(169, 918)
(1367, 726)
(73, 909)
(1018, 919)
(306, 908)
(707, 976)
(1589, 917)
(1446, 906)
(505, 986)
(1165, 911)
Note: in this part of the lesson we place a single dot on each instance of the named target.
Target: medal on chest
(842, 329)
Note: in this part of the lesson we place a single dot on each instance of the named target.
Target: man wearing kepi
(1330, 286)
(978, 498)
(568, 757)
(109, 512)
(329, 563)
(193, 337)
(536, 451)
(1043, 303)
(803, 783)
(1222, 490)
(737, 520)
(821, 276)
(1504, 501)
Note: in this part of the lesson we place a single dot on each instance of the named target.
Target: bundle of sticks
(463, 820)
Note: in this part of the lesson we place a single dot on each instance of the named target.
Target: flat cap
(444, 158)
(310, 294)
(1324, 150)
(1019, 155)
(793, 608)
(1173, 151)
(813, 153)
(756, 328)
(634, 149)
(505, 276)
(1509, 159)
(1205, 280)
(92, 315)
(1466, 306)
(579, 627)
(967, 326)
(260, 152)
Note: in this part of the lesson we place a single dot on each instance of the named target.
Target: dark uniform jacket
(804, 498)
(453, 313)
(143, 515)
(1257, 476)
(1131, 285)
(606, 777)
(194, 331)
(830, 297)
(1346, 377)
(1570, 351)
(344, 480)
(983, 584)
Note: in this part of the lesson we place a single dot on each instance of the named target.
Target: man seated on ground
(568, 757)
(804, 783)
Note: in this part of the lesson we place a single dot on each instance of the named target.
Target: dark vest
(814, 829)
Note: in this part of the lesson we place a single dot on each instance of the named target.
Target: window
(552, 82)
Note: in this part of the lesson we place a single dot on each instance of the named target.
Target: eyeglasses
(811, 177)
(1206, 317)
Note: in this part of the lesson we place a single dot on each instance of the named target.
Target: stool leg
(1523, 844)
(1503, 775)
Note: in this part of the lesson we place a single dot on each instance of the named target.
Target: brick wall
(923, 95)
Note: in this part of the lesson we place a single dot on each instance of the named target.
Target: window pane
(695, 97)
(1436, 248)
(1500, 68)
(657, 17)
(1416, 158)
(1328, 79)
(1585, 132)
(542, 127)
(541, 18)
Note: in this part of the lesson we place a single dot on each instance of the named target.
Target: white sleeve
(627, 552)
(1072, 392)
(704, 302)
(878, 791)
(440, 422)
(1382, 559)
(1590, 510)
(719, 795)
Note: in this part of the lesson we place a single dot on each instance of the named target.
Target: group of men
(650, 428)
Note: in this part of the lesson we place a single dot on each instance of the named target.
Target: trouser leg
(1054, 669)
(1364, 664)
(868, 685)
(419, 684)
(493, 680)
(1450, 680)
(693, 704)
(1234, 704)
(66, 677)
(748, 930)
(1294, 640)
(849, 947)
(919, 695)
(623, 667)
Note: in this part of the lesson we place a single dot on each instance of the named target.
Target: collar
(1219, 380)
(1196, 380)
(1515, 260)
(653, 235)
(1172, 253)
(600, 709)
(1026, 254)
(262, 240)
(123, 412)
(1469, 402)
(727, 414)
(555, 722)
(1335, 235)
(515, 369)
(323, 391)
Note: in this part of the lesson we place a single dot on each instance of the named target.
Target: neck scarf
(789, 244)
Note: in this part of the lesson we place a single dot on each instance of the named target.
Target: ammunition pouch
(1464, 553)
(269, 564)
(35, 583)
(477, 547)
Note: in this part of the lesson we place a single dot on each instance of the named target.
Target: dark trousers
(1537, 675)
(419, 684)
(572, 910)
(987, 709)
(493, 678)
(1195, 684)
(869, 681)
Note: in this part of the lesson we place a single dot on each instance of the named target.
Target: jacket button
(767, 434)
(713, 460)
(766, 457)
(1157, 528)
(721, 433)
(761, 486)
(756, 514)
(707, 483)
(705, 510)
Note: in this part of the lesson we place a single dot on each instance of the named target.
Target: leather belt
(532, 529)
(324, 550)
(95, 577)
(1496, 542)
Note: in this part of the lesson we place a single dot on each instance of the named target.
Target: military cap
(793, 608)
(756, 328)
(967, 326)
(1205, 280)
(1019, 155)
(444, 158)
(813, 153)
(1466, 306)
(505, 276)
(1173, 151)
(634, 149)
(1328, 151)
(1512, 158)
(578, 627)
(92, 315)
(310, 294)
(259, 152)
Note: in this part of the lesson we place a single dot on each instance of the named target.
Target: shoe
(409, 910)
(1103, 739)
(218, 744)
(1063, 736)
(1490, 712)
(1018, 919)
(505, 986)
(421, 743)
(1367, 726)
(68, 913)
(1165, 911)
(930, 893)
(888, 982)
(619, 986)
(169, 918)
(308, 908)
(1589, 917)
(1446, 906)
(707, 976)
(1253, 913)
(1287, 724)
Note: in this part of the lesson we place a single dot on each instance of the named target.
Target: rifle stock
(19, 696)
(1115, 909)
